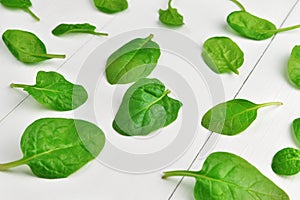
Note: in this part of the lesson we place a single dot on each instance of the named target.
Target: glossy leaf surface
(57, 147)
(54, 91)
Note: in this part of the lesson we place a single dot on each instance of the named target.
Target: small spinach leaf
(222, 55)
(225, 176)
(296, 129)
(54, 91)
(232, 117)
(294, 66)
(22, 4)
(76, 28)
(170, 16)
(286, 162)
(145, 108)
(251, 26)
(111, 6)
(26, 46)
(132, 61)
(57, 147)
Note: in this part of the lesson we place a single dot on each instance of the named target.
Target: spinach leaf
(111, 6)
(232, 117)
(54, 91)
(26, 46)
(76, 28)
(296, 129)
(286, 162)
(145, 108)
(170, 16)
(222, 55)
(253, 27)
(294, 66)
(22, 4)
(132, 61)
(225, 176)
(57, 147)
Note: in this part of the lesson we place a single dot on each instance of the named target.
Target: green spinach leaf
(225, 176)
(294, 66)
(76, 28)
(222, 55)
(253, 27)
(232, 117)
(133, 61)
(26, 46)
(145, 107)
(296, 129)
(57, 147)
(22, 4)
(111, 6)
(54, 91)
(286, 162)
(170, 16)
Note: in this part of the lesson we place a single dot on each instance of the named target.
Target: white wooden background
(262, 78)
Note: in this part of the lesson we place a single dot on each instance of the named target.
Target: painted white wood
(203, 19)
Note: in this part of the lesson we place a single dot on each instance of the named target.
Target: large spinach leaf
(133, 61)
(222, 55)
(170, 16)
(232, 117)
(286, 162)
(62, 29)
(251, 26)
(111, 6)
(145, 108)
(225, 176)
(57, 147)
(26, 46)
(22, 4)
(54, 91)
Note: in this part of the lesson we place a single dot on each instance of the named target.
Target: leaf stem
(50, 55)
(169, 3)
(270, 104)
(6, 166)
(98, 33)
(14, 85)
(150, 37)
(32, 14)
(239, 5)
(287, 28)
(179, 173)
(235, 71)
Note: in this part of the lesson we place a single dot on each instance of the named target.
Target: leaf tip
(164, 176)
(235, 71)
(150, 36)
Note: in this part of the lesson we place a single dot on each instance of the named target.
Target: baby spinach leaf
(232, 117)
(57, 147)
(253, 27)
(133, 61)
(145, 107)
(222, 55)
(22, 4)
(111, 6)
(296, 129)
(26, 46)
(54, 91)
(76, 28)
(170, 16)
(294, 66)
(286, 162)
(225, 176)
